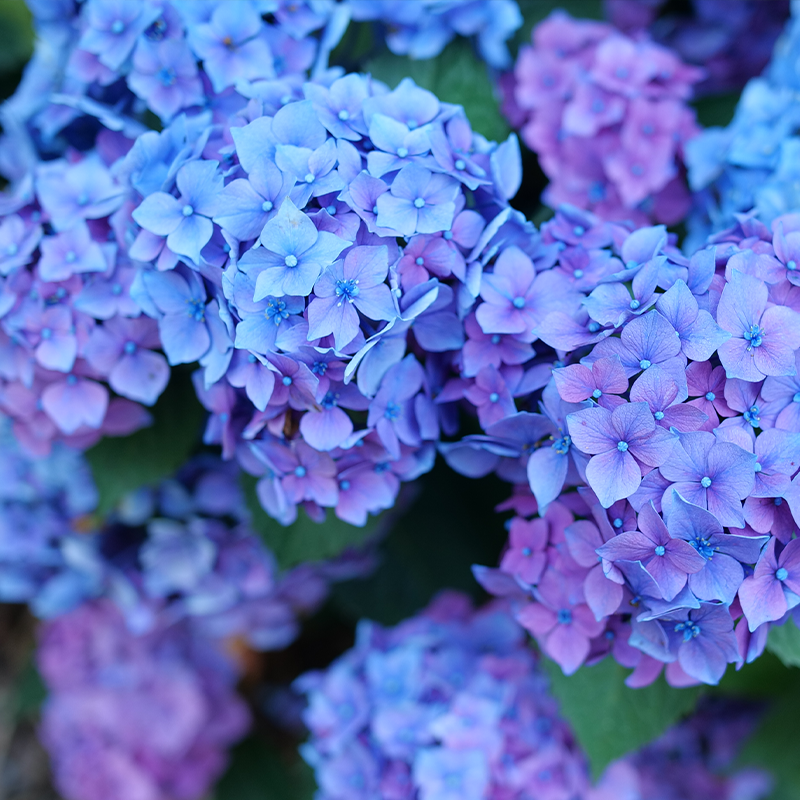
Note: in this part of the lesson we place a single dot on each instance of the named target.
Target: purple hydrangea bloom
(166, 675)
(619, 441)
(762, 339)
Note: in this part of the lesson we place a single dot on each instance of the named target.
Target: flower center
(300, 471)
(267, 205)
(347, 290)
(402, 152)
(659, 415)
(690, 630)
(276, 311)
(331, 400)
(703, 546)
(705, 482)
(518, 302)
(645, 364)
(392, 410)
(167, 76)
(564, 616)
(187, 210)
(792, 265)
(344, 115)
(562, 444)
(660, 550)
(597, 393)
(290, 261)
(617, 523)
(287, 380)
(622, 447)
(419, 203)
(130, 348)
(494, 397)
(460, 164)
(634, 304)
(117, 26)
(710, 396)
(755, 336)
(526, 551)
(197, 309)
(781, 573)
(751, 416)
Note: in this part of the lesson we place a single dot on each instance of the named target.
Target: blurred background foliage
(440, 529)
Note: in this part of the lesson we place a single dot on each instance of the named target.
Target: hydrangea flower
(606, 115)
(709, 34)
(160, 728)
(451, 704)
(751, 164)
(683, 455)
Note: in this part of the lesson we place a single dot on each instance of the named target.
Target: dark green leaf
(16, 34)
(766, 677)
(121, 465)
(608, 718)
(303, 540)
(784, 641)
(455, 76)
(432, 546)
(29, 693)
(716, 110)
(257, 772)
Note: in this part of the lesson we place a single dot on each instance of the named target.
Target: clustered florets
(451, 704)
(673, 408)
(606, 115)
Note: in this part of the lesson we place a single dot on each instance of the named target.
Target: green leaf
(455, 76)
(716, 110)
(121, 465)
(29, 693)
(16, 35)
(431, 546)
(784, 641)
(303, 540)
(608, 718)
(257, 772)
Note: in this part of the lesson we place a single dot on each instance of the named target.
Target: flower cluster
(186, 550)
(69, 329)
(673, 406)
(135, 717)
(106, 63)
(607, 117)
(423, 28)
(752, 163)
(451, 704)
(43, 508)
(274, 261)
(732, 42)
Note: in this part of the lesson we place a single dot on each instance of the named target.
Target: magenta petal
(140, 376)
(537, 619)
(568, 647)
(613, 476)
(71, 405)
(602, 595)
(325, 430)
